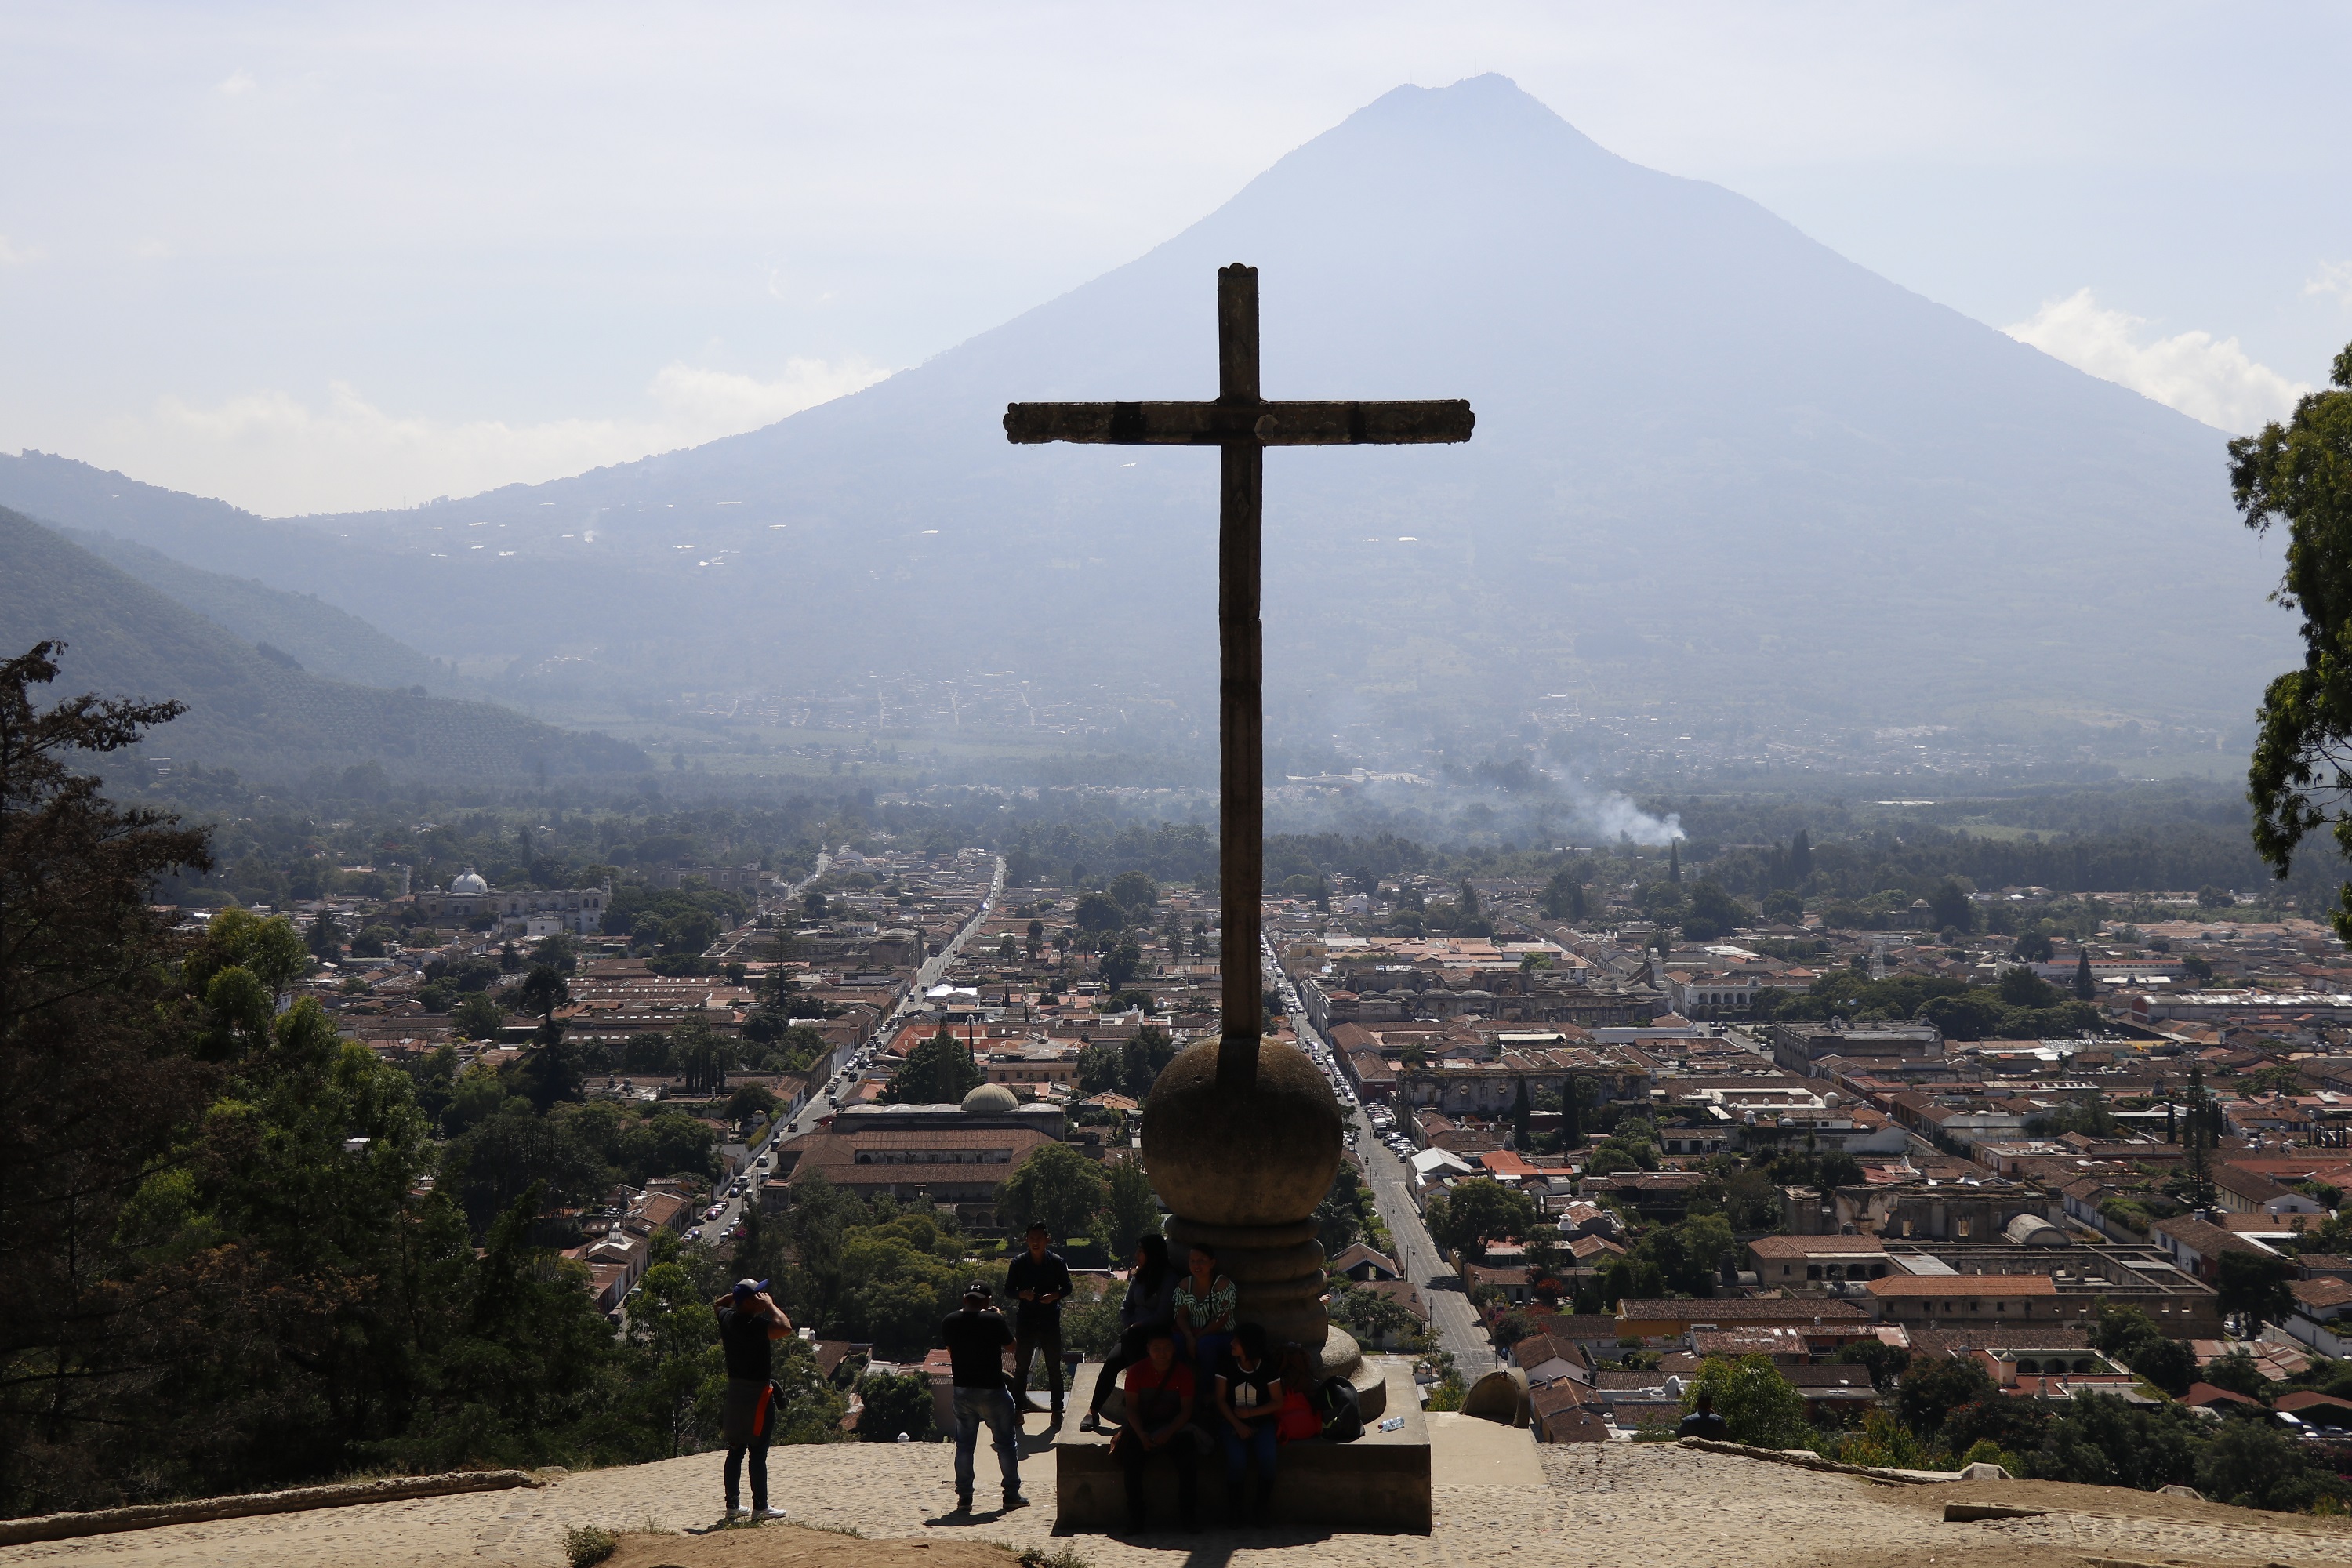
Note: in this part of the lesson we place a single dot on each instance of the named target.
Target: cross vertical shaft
(1241, 709)
(1241, 1139)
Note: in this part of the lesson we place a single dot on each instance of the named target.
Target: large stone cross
(1240, 1143)
(1240, 424)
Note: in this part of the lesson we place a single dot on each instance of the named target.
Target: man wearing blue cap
(748, 1322)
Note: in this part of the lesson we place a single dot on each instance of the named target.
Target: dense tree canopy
(1472, 1213)
(939, 1071)
(1057, 1185)
(2301, 473)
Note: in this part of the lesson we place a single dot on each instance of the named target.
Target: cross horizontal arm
(1223, 424)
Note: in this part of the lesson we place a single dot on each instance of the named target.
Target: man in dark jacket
(976, 1338)
(749, 1321)
(1040, 1280)
(1704, 1422)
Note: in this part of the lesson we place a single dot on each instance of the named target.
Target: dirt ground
(795, 1546)
(1579, 1505)
(2006, 1544)
(2116, 1502)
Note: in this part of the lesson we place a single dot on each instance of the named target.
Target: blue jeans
(1207, 1351)
(1262, 1442)
(993, 1407)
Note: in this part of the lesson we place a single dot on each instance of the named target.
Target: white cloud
(14, 255)
(236, 84)
(280, 454)
(2333, 277)
(724, 402)
(2208, 379)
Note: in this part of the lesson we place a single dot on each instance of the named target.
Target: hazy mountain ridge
(325, 640)
(247, 711)
(1720, 471)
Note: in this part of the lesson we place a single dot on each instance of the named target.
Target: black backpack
(1343, 1418)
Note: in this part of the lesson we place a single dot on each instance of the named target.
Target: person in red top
(1159, 1394)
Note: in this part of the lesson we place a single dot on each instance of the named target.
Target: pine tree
(1674, 860)
(2084, 986)
(1571, 1114)
(1521, 1110)
(1801, 858)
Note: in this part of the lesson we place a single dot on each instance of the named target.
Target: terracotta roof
(2309, 1399)
(2322, 1292)
(1962, 1287)
(1740, 1310)
(1554, 1397)
(1612, 1381)
(2250, 1184)
(1579, 1326)
(1362, 1252)
(2206, 1394)
(1813, 1246)
(1537, 1348)
(935, 1138)
(2208, 1238)
(1403, 1292)
(834, 1154)
(1751, 1339)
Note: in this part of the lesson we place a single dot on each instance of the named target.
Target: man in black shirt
(976, 1338)
(748, 1323)
(1704, 1422)
(1041, 1279)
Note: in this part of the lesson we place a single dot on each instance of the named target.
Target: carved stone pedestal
(1242, 1145)
(1377, 1484)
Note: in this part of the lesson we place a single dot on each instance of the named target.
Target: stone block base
(1377, 1484)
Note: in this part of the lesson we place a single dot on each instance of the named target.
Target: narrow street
(1450, 1313)
(932, 969)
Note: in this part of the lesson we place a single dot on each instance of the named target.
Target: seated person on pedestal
(1159, 1395)
(1301, 1417)
(1249, 1408)
(1204, 1313)
(1148, 1305)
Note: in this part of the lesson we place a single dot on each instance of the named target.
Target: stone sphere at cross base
(1263, 1155)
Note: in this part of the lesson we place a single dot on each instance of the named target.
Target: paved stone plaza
(1500, 1500)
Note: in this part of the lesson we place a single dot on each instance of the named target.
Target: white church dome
(991, 1100)
(468, 881)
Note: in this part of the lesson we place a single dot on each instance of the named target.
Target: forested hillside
(262, 715)
(321, 638)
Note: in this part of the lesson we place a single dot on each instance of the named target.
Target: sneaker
(1090, 1421)
(734, 1512)
(963, 1502)
(1014, 1500)
(768, 1513)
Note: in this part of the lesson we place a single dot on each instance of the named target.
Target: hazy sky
(309, 256)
